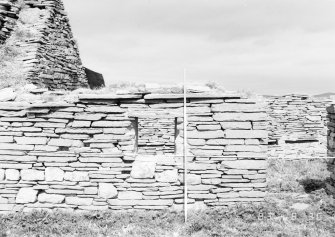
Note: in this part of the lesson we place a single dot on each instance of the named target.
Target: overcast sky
(265, 46)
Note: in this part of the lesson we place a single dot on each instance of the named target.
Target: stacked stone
(297, 118)
(82, 155)
(9, 11)
(50, 55)
(156, 136)
(331, 148)
(57, 63)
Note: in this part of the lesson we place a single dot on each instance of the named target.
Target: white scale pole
(185, 149)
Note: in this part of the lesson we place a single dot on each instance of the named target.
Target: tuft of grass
(297, 175)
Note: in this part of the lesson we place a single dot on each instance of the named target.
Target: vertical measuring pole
(185, 149)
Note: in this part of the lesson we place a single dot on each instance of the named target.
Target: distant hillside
(325, 95)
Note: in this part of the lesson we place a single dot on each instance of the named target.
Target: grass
(290, 182)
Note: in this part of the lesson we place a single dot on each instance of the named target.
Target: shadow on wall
(95, 79)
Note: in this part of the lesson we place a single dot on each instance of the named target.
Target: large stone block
(168, 176)
(144, 167)
(2, 174)
(261, 134)
(221, 117)
(31, 140)
(111, 124)
(12, 175)
(107, 190)
(26, 195)
(129, 195)
(244, 164)
(115, 202)
(81, 124)
(192, 179)
(77, 176)
(205, 134)
(78, 201)
(32, 175)
(236, 125)
(237, 107)
(54, 174)
(50, 198)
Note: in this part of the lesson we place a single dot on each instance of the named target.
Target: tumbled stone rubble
(81, 153)
(331, 148)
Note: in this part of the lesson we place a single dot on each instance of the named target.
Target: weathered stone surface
(221, 117)
(32, 175)
(12, 174)
(7, 94)
(76, 176)
(245, 164)
(108, 124)
(81, 124)
(2, 174)
(115, 202)
(143, 167)
(168, 176)
(107, 190)
(192, 179)
(54, 174)
(129, 195)
(246, 134)
(50, 198)
(237, 107)
(206, 134)
(31, 140)
(26, 195)
(78, 201)
(236, 125)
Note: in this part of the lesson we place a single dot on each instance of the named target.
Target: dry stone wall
(298, 126)
(51, 56)
(9, 11)
(331, 148)
(81, 154)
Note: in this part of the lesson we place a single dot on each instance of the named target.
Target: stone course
(331, 148)
(99, 152)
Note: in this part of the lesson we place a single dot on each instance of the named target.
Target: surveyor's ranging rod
(185, 149)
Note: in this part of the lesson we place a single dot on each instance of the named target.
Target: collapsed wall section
(331, 148)
(82, 155)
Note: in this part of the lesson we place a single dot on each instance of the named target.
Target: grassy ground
(290, 182)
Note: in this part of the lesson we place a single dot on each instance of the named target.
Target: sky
(262, 46)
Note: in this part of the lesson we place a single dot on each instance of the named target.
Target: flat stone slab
(191, 96)
(109, 96)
